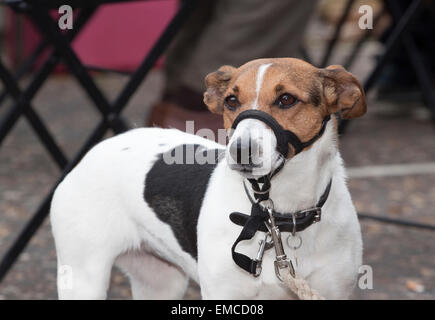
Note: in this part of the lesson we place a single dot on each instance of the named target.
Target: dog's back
(114, 204)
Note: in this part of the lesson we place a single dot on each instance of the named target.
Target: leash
(264, 218)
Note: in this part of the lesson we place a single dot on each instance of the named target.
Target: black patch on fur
(279, 88)
(175, 191)
(314, 94)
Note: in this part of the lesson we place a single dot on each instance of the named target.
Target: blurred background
(389, 153)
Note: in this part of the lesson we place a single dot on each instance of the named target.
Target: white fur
(99, 218)
(260, 75)
(254, 131)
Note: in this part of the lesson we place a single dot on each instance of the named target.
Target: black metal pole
(35, 121)
(417, 61)
(45, 24)
(336, 34)
(38, 218)
(13, 114)
(25, 67)
(392, 42)
(356, 49)
(186, 8)
(398, 222)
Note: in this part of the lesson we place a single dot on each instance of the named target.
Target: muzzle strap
(283, 137)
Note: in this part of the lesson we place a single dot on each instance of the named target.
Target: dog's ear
(343, 92)
(216, 84)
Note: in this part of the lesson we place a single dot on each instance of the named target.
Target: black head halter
(283, 137)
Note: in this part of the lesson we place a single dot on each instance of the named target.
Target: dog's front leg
(226, 285)
(219, 276)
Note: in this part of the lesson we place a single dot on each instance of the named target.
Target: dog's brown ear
(216, 84)
(343, 92)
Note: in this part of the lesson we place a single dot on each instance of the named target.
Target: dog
(164, 223)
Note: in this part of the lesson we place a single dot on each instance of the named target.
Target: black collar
(256, 222)
(303, 218)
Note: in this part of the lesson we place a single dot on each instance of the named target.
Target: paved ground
(403, 259)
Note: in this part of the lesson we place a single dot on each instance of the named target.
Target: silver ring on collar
(291, 238)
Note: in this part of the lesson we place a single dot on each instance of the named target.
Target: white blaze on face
(256, 132)
(260, 75)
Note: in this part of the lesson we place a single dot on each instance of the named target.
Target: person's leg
(244, 30)
(226, 32)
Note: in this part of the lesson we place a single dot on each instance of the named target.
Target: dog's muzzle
(283, 137)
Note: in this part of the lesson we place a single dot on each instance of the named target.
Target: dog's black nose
(242, 151)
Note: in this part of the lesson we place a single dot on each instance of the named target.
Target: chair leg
(106, 123)
(402, 25)
(25, 67)
(417, 61)
(35, 121)
(38, 80)
(45, 24)
(337, 32)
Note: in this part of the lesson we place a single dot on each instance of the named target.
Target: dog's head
(296, 94)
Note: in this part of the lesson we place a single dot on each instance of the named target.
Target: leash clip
(282, 264)
(281, 260)
(264, 245)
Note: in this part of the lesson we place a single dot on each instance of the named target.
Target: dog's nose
(242, 151)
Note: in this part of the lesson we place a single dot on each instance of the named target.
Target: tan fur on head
(319, 92)
(216, 84)
(343, 92)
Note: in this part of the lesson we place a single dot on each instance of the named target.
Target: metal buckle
(318, 214)
(316, 210)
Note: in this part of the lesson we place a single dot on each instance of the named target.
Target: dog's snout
(242, 150)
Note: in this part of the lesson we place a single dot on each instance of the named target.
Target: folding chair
(38, 12)
(400, 34)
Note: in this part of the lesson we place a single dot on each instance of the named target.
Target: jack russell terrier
(127, 203)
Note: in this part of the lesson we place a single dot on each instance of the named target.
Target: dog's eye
(231, 102)
(286, 100)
